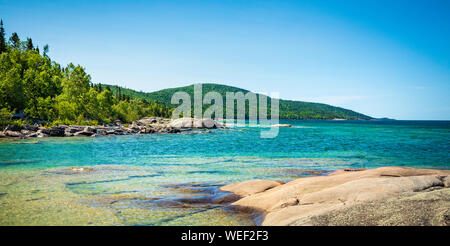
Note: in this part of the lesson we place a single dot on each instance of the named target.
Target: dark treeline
(34, 85)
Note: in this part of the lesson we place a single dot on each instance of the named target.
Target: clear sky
(381, 58)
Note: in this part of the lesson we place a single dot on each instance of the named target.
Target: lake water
(136, 180)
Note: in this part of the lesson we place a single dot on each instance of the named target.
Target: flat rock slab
(286, 204)
(426, 208)
(250, 187)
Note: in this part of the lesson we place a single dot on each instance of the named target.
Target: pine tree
(46, 49)
(15, 40)
(2, 38)
(30, 44)
(118, 96)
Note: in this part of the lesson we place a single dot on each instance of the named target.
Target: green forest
(288, 109)
(32, 84)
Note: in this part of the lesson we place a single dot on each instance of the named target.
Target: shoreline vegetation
(382, 196)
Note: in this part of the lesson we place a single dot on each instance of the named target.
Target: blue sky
(381, 58)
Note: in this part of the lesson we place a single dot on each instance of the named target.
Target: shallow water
(126, 177)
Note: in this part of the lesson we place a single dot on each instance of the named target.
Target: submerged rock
(281, 125)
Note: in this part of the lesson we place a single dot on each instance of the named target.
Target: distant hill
(288, 109)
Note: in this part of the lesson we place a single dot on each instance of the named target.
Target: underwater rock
(71, 170)
(281, 125)
(304, 172)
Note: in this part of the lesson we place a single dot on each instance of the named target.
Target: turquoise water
(148, 166)
(350, 144)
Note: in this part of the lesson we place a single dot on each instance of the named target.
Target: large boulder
(55, 131)
(73, 129)
(188, 123)
(26, 132)
(13, 134)
(147, 129)
(14, 128)
(148, 121)
(32, 128)
(87, 131)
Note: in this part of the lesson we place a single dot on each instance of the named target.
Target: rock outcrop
(422, 208)
(189, 123)
(56, 131)
(296, 202)
(250, 187)
(145, 125)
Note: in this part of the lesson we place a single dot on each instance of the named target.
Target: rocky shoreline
(382, 196)
(147, 125)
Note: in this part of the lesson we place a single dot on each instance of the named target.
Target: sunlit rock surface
(184, 123)
(295, 202)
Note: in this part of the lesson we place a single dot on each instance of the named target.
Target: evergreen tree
(2, 38)
(118, 96)
(30, 44)
(46, 49)
(15, 40)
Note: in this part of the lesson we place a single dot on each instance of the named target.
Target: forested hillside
(288, 109)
